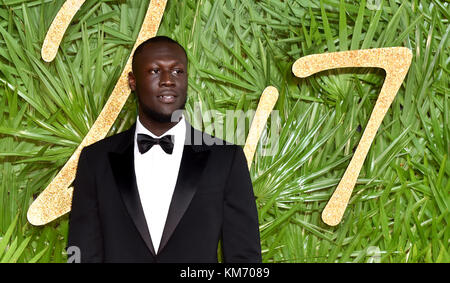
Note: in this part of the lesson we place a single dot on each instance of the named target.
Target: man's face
(159, 79)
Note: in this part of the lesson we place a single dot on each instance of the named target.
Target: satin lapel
(122, 163)
(193, 162)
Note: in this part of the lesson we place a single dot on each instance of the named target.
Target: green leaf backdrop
(399, 210)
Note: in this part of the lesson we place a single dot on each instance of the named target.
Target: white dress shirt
(156, 176)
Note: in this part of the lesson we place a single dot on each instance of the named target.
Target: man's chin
(158, 117)
(162, 117)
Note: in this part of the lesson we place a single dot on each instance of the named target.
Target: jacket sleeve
(240, 230)
(84, 221)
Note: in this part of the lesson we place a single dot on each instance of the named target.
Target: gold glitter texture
(56, 199)
(58, 27)
(266, 103)
(395, 61)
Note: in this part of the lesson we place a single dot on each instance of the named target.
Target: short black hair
(160, 38)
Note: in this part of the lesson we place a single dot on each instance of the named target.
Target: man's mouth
(167, 98)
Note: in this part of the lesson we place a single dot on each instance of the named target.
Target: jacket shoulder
(202, 138)
(216, 144)
(112, 142)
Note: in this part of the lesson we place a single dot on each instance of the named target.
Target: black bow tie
(145, 142)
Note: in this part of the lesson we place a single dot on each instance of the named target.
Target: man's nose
(166, 79)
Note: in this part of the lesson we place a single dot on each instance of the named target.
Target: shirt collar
(178, 130)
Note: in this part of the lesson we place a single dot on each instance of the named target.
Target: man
(163, 191)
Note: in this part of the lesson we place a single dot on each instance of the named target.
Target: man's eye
(178, 71)
(154, 71)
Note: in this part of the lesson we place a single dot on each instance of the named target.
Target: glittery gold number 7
(56, 199)
(395, 61)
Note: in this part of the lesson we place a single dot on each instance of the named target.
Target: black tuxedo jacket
(213, 199)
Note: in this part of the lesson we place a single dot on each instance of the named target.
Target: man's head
(159, 78)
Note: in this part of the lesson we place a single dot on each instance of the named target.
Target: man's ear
(131, 81)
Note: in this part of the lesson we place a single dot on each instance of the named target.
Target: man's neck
(155, 127)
